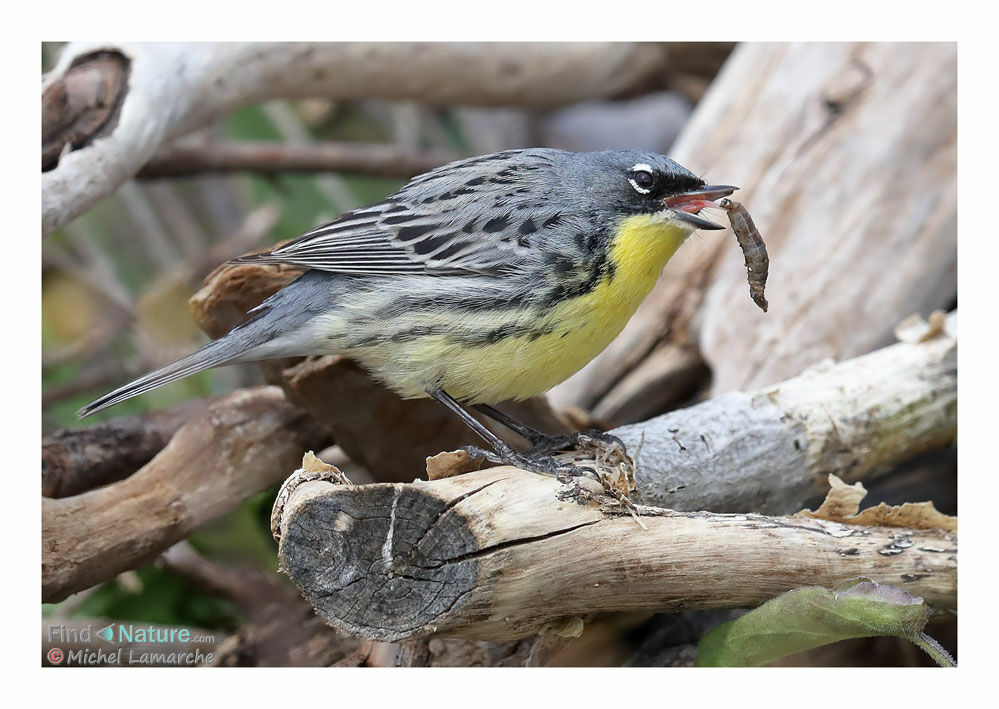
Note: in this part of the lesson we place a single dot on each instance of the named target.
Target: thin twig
(376, 160)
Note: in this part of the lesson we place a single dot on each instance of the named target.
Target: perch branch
(234, 448)
(501, 553)
(770, 450)
(373, 159)
(161, 91)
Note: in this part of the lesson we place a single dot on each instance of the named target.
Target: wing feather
(470, 217)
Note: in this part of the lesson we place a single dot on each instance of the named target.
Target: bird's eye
(642, 180)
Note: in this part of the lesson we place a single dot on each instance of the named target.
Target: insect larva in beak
(753, 248)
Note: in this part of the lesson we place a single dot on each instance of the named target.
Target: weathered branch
(373, 159)
(502, 553)
(235, 447)
(173, 89)
(850, 256)
(770, 450)
(74, 461)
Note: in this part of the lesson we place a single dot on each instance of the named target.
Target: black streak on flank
(552, 220)
(509, 330)
(587, 277)
(561, 264)
(527, 227)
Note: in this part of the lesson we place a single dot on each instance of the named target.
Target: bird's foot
(583, 441)
(562, 470)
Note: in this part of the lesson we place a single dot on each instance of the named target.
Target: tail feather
(276, 330)
(211, 355)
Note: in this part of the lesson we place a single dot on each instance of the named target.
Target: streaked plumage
(491, 278)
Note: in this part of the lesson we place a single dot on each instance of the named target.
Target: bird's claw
(541, 464)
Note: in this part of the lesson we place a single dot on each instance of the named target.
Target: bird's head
(636, 182)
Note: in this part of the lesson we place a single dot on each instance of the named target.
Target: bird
(488, 279)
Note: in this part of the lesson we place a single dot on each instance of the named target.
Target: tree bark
(233, 449)
(77, 460)
(771, 450)
(503, 553)
(860, 222)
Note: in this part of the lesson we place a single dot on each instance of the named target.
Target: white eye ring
(640, 167)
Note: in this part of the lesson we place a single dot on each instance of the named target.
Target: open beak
(687, 205)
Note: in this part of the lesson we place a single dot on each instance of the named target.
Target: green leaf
(809, 617)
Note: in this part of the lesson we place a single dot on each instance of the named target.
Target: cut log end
(384, 561)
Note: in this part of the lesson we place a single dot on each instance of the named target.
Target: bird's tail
(213, 354)
(273, 332)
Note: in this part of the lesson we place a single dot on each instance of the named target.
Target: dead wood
(770, 450)
(77, 460)
(82, 104)
(502, 553)
(860, 222)
(377, 160)
(234, 448)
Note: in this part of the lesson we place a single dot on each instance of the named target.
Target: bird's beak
(686, 206)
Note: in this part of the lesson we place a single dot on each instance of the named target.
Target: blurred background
(116, 281)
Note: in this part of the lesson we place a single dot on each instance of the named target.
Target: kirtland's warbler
(487, 279)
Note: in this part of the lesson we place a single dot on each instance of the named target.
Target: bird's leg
(546, 443)
(503, 452)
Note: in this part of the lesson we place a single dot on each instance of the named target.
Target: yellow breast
(520, 367)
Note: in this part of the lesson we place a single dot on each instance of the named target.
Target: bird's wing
(477, 216)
